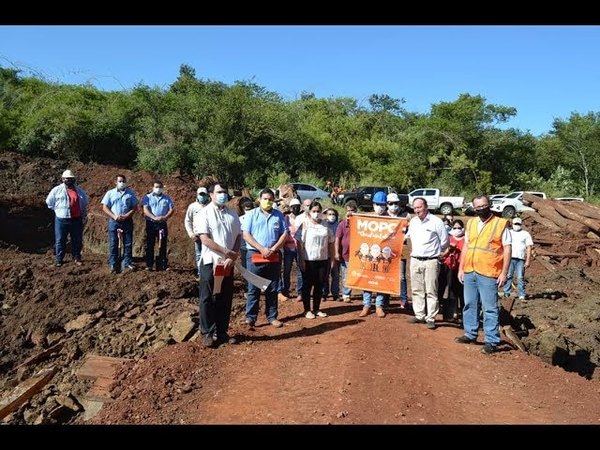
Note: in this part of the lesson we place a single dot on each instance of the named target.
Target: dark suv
(362, 197)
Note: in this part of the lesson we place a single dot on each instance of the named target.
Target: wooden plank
(40, 356)
(549, 267)
(24, 391)
(542, 252)
(96, 366)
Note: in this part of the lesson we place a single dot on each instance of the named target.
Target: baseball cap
(201, 190)
(294, 202)
(517, 221)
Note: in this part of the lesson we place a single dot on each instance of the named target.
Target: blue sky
(543, 71)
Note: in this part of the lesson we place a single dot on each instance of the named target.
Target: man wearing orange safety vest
(483, 267)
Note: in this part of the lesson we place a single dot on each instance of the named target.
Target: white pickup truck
(435, 202)
(512, 204)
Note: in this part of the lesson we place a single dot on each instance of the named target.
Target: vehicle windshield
(513, 195)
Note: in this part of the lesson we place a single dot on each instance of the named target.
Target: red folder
(258, 258)
(221, 271)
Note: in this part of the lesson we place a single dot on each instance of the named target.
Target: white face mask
(517, 227)
(457, 232)
(331, 219)
(379, 209)
(157, 191)
(315, 216)
(121, 185)
(394, 208)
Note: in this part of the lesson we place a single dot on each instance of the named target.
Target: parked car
(512, 204)
(469, 211)
(570, 199)
(309, 191)
(435, 202)
(361, 198)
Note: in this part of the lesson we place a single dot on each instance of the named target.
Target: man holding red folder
(265, 231)
(220, 233)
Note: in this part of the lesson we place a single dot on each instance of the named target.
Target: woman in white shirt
(316, 249)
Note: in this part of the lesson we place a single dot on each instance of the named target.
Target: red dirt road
(348, 370)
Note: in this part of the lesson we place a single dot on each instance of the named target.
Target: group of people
(70, 204)
(463, 266)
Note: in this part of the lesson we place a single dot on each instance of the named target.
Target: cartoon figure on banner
(387, 256)
(363, 255)
(375, 257)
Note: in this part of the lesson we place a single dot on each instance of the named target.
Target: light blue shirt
(266, 229)
(120, 202)
(58, 200)
(159, 205)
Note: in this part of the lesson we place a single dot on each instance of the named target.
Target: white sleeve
(528, 240)
(187, 223)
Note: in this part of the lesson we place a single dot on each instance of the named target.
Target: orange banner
(375, 253)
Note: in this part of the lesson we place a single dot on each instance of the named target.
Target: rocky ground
(341, 369)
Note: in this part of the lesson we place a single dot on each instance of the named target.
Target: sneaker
(276, 323)
(464, 340)
(403, 305)
(415, 320)
(364, 312)
(346, 298)
(309, 315)
(431, 325)
(281, 297)
(113, 270)
(208, 341)
(250, 323)
(226, 339)
(522, 299)
(58, 264)
(150, 269)
(78, 262)
(380, 312)
(130, 267)
(321, 314)
(488, 349)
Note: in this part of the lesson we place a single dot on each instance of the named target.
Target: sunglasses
(393, 203)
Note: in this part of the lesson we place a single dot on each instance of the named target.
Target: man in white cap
(191, 218)
(70, 203)
(520, 258)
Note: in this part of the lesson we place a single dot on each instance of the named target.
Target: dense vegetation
(252, 137)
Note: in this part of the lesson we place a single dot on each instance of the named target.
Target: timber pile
(564, 233)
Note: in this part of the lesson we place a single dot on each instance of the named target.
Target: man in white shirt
(220, 232)
(191, 216)
(429, 239)
(520, 258)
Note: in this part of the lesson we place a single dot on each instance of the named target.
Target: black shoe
(431, 325)
(415, 320)
(113, 270)
(226, 339)
(208, 341)
(464, 340)
(488, 349)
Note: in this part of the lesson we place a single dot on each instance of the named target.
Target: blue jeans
(481, 290)
(334, 281)
(153, 231)
(344, 269)
(62, 227)
(403, 289)
(380, 299)
(113, 242)
(197, 254)
(271, 272)
(289, 256)
(518, 266)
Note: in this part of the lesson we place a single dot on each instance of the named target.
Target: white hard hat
(393, 197)
(68, 174)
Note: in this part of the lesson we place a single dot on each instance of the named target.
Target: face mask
(267, 205)
(331, 219)
(379, 209)
(295, 210)
(315, 215)
(394, 208)
(157, 191)
(517, 227)
(483, 213)
(457, 232)
(70, 182)
(121, 185)
(202, 198)
(221, 198)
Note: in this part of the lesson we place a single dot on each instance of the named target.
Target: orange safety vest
(485, 254)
